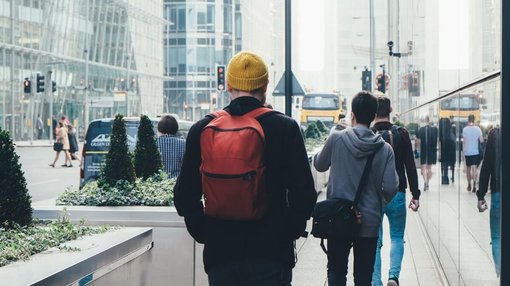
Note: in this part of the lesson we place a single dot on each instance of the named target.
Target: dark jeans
(445, 166)
(250, 272)
(338, 258)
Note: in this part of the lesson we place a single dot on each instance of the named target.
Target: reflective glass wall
(465, 240)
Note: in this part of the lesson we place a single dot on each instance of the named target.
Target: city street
(43, 181)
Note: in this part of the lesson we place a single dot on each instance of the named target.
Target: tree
(147, 155)
(15, 201)
(119, 162)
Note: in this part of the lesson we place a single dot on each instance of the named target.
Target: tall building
(198, 37)
(105, 57)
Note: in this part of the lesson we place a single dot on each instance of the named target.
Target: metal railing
(488, 77)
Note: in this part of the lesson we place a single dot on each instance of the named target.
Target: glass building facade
(105, 57)
(199, 36)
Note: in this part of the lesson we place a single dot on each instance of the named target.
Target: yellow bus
(325, 107)
(460, 107)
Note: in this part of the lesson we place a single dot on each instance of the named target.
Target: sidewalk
(34, 143)
(460, 234)
(418, 267)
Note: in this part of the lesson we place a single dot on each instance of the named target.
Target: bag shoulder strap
(364, 176)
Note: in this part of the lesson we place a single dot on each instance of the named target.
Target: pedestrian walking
(471, 139)
(346, 154)
(341, 125)
(54, 127)
(491, 172)
(170, 145)
(250, 164)
(426, 144)
(63, 143)
(395, 210)
(447, 149)
(73, 143)
(39, 126)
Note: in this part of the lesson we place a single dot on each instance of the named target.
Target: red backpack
(233, 167)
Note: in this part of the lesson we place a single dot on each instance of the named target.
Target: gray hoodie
(346, 153)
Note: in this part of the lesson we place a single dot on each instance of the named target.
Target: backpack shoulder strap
(260, 112)
(218, 113)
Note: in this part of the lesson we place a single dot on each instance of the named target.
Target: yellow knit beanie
(246, 71)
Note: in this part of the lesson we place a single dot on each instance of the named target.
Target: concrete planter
(100, 255)
(175, 257)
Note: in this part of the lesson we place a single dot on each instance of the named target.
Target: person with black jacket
(257, 252)
(491, 172)
(395, 210)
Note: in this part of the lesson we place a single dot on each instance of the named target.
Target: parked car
(97, 143)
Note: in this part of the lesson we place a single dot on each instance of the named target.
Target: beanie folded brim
(247, 84)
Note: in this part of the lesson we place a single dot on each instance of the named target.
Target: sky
(453, 38)
(453, 34)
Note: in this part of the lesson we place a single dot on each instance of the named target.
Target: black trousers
(445, 166)
(364, 258)
(251, 272)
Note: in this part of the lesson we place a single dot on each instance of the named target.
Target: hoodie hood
(362, 142)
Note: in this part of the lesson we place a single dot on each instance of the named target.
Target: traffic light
(220, 77)
(27, 85)
(40, 83)
(366, 80)
(53, 86)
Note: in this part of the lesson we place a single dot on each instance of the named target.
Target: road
(43, 181)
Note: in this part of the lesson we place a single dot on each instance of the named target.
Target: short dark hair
(364, 107)
(168, 125)
(383, 107)
(471, 118)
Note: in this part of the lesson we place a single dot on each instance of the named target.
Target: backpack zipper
(246, 176)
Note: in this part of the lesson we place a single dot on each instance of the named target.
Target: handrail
(465, 86)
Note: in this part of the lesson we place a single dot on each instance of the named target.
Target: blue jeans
(250, 272)
(396, 212)
(495, 221)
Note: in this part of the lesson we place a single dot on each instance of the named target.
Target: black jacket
(491, 165)
(404, 159)
(291, 195)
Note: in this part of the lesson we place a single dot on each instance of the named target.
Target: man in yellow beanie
(258, 250)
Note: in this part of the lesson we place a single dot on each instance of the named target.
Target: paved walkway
(418, 266)
(459, 233)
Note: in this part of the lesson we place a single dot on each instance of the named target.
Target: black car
(97, 143)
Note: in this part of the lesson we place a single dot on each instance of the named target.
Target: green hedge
(155, 191)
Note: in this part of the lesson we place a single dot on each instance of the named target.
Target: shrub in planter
(19, 243)
(147, 155)
(119, 163)
(15, 201)
(153, 191)
(312, 131)
(413, 128)
(322, 127)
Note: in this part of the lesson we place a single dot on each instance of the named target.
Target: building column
(505, 138)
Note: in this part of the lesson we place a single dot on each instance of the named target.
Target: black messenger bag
(335, 217)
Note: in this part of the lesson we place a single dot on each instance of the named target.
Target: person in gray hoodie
(345, 153)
